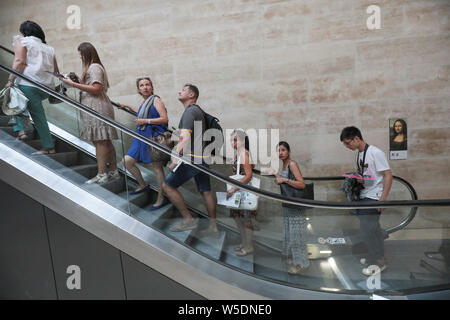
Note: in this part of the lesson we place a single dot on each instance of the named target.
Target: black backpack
(212, 122)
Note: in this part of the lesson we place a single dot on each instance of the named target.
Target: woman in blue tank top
(151, 122)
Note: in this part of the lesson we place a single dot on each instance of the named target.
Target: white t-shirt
(374, 179)
(40, 58)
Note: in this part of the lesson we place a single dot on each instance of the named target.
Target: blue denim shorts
(186, 172)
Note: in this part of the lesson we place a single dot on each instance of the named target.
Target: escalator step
(244, 263)
(140, 200)
(211, 245)
(8, 130)
(152, 218)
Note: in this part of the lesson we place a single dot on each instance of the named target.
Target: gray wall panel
(101, 271)
(143, 282)
(25, 263)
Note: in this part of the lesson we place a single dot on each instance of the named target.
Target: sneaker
(184, 226)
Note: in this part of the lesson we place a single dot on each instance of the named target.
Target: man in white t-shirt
(376, 176)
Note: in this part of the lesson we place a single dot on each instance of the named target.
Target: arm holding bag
(14, 101)
(249, 201)
(287, 190)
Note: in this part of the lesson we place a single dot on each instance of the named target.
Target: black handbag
(60, 89)
(287, 190)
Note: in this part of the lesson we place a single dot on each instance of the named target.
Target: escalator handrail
(6, 49)
(115, 104)
(226, 179)
(112, 102)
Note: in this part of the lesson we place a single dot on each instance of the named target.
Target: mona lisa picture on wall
(398, 139)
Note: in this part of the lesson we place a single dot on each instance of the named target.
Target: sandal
(43, 152)
(297, 270)
(238, 247)
(22, 136)
(185, 226)
(243, 252)
(99, 178)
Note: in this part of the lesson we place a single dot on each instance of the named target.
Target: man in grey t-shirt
(193, 121)
(190, 144)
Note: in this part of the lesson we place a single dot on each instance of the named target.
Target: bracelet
(149, 121)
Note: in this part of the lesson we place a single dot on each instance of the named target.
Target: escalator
(208, 266)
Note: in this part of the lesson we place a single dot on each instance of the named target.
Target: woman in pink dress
(93, 85)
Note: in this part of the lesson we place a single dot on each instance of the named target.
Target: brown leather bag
(164, 139)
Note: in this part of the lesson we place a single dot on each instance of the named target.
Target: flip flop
(296, 270)
(165, 202)
(243, 253)
(146, 188)
(43, 152)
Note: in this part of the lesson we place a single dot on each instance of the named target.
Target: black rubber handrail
(226, 179)
(6, 49)
(112, 102)
(115, 104)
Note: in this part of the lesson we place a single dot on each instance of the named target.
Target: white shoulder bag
(14, 101)
(249, 201)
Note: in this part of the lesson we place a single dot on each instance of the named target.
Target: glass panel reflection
(417, 254)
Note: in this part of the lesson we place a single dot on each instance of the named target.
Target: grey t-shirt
(191, 120)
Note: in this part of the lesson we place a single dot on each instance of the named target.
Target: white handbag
(14, 102)
(248, 200)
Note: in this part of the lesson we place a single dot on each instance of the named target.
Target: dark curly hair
(30, 28)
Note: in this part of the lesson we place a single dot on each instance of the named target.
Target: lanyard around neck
(361, 164)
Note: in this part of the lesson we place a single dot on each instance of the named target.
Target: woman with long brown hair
(243, 166)
(94, 85)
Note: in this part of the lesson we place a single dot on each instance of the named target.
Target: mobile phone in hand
(56, 74)
(73, 77)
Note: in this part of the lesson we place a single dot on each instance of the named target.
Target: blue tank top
(155, 129)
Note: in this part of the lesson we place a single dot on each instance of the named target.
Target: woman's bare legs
(246, 236)
(112, 159)
(102, 153)
(130, 164)
(159, 171)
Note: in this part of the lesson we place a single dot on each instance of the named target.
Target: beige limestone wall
(307, 67)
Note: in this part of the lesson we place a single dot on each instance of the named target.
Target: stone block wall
(306, 67)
